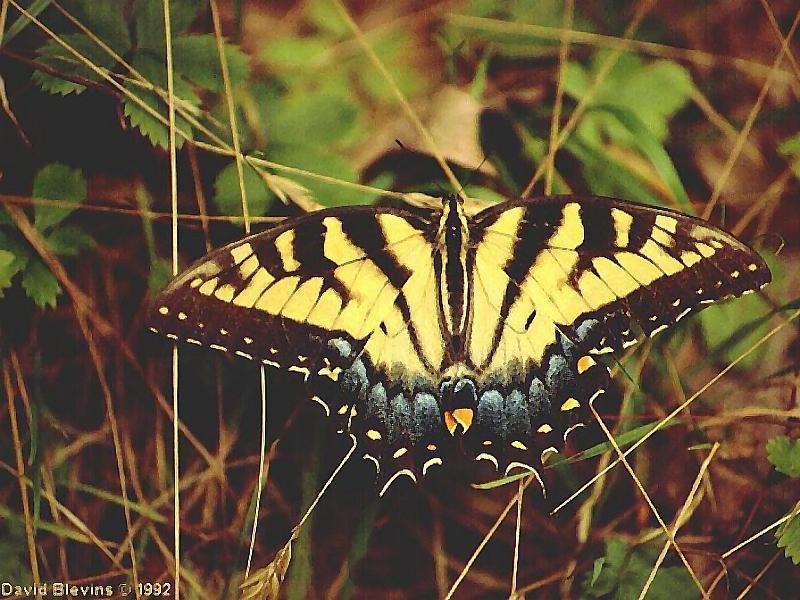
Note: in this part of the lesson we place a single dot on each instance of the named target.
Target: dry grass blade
(115, 436)
(231, 105)
(763, 531)
(410, 112)
(653, 509)
(679, 520)
(605, 68)
(524, 483)
(563, 55)
(758, 576)
(137, 213)
(733, 157)
(517, 530)
(589, 38)
(23, 489)
(261, 460)
(173, 183)
(265, 583)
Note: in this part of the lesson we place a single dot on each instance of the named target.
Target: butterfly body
(424, 332)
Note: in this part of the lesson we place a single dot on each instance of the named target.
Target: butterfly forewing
(281, 296)
(630, 267)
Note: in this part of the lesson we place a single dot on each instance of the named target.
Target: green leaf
(320, 119)
(151, 127)
(40, 284)
(160, 275)
(324, 15)
(6, 557)
(290, 53)
(57, 182)
(148, 19)
(784, 454)
(143, 509)
(52, 54)
(18, 249)
(718, 320)
(228, 196)
(654, 92)
(320, 162)
(394, 50)
(789, 538)
(654, 151)
(106, 20)
(7, 269)
(21, 22)
(623, 440)
(197, 59)
(69, 240)
(607, 176)
(790, 148)
(623, 571)
(13, 556)
(517, 44)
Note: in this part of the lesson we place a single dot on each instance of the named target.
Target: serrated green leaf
(151, 127)
(148, 19)
(789, 539)
(40, 284)
(291, 53)
(69, 240)
(197, 59)
(57, 182)
(228, 196)
(319, 118)
(654, 92)
(784, 454)
(52, 54)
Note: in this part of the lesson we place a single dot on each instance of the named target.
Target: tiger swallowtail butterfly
(422, 332)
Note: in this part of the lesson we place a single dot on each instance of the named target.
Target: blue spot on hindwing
(427, 416)
(516, 417)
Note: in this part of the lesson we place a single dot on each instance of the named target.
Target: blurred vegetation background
(693, 106)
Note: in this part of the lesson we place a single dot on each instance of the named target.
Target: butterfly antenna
(472, 174)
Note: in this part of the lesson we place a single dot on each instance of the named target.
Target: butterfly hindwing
(559, 280)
